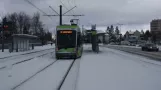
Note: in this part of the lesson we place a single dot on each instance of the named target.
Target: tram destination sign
(66, 32)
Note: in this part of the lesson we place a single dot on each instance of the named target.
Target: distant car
(150, 47)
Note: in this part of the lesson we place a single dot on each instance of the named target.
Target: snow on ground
(115, 70)
(72, 78)
(108, 70)
(16, 74)
(10, 61)
(49, 79)
(36, 48)
(132, 46)
(159, 47)
(126, 46)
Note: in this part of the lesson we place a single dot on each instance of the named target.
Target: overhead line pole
(61, 15)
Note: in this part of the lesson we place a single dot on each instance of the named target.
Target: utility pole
(1, 29)
(2, 39)
(60, 14)
(3, 24)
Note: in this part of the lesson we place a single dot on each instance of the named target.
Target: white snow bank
(125, 46)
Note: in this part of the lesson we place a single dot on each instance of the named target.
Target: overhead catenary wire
(75, 3)
(64, 5)
(54, 10)
(36, 7)
(70, 4)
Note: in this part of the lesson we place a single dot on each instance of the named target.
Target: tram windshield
(66, 39)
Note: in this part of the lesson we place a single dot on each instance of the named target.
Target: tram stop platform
(22, 42)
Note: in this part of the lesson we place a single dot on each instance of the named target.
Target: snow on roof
(141, 32)
(131, 32)
(100, 31)
(25, 35)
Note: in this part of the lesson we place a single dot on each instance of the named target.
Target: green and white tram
(68, 42)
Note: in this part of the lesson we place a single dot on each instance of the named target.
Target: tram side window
(78, 40)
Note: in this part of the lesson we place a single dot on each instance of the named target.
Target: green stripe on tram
(66, 50)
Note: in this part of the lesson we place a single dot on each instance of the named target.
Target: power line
(36, 7)
(60, 14)
(69, 10)
(75, 3)
(70, 5)
(54, 10)
(64, 5)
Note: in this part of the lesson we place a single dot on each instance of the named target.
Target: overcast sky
(134, 14)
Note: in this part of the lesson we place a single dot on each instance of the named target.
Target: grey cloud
(101, 12)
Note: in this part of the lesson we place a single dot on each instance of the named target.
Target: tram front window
(66, 39)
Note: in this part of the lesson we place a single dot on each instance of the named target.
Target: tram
(68, 41)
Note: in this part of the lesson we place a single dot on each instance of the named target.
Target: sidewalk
(37, 48)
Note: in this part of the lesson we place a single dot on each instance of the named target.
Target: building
(132, 36)
(155, 27)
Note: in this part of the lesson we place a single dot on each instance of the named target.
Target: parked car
(150, 47)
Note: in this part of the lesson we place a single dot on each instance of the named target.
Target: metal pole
(120, 33)
(2, 39)
(60, 14)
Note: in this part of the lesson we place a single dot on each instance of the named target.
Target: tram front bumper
(65, 55)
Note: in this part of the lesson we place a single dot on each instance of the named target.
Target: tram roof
(67, 26)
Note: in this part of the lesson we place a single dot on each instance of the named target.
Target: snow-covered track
(33, 75)
(31, 58)
(25, 60)
(65, 76)
(7, 57)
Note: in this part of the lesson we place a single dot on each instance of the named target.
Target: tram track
(34, 75)
(65, 76)
(22, 61)
(60, 84)
(7, 57)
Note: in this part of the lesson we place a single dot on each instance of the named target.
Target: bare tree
(26, 24)
(13, 19)
(21, 21)
(36, 23)
(117, 32)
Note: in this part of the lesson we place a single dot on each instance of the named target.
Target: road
(138, 51)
